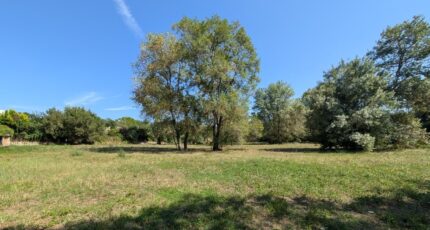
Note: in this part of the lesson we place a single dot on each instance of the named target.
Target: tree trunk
(216, 133)
(186, 141)
(178, 139)
(158, 140)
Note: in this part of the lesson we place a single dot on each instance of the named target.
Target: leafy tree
(16, 121)
(81, 126)
(255, 129)
(352, 108)
(283, 118)
(53, 126)
(223, 64)
(163, 84)
(5, 130)
(161, 131)
(73, 126)
(236, 124)
(132, 130)
(404, 51)
(34, 129)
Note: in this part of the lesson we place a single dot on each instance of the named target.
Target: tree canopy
(282, 116)
(353, 109)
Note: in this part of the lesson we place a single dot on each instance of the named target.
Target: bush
(407, 132)
(363, 141)
(6, 131)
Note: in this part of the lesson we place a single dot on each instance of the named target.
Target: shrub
(363, 141)
(6, 131)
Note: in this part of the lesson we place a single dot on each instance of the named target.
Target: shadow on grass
(313, 150)
(145, 149)
(296, 150)
(402, 208)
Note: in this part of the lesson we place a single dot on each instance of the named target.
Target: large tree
(353, 109)
(283, 117)
(223, 64)
(164, 86)
(404, 51)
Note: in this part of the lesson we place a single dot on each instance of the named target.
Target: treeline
(200, 77)
(195, 84)
(74, 125)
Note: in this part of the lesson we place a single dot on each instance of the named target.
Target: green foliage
(131, 130)
(406, 132)
(223, 64)
(352, 109)
(236, 126)
(53, 126)
(6, 131)
(363, 141)
(404, 51)
(34, 129)
(283, 118)
(81, 126)
(161, 132)
(196, 77)
(73, 126)
(17, 121)
(255, 129)
(164, 84)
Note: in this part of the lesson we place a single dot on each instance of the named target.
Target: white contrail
(128, 18)
(86, 99)
(121, 108)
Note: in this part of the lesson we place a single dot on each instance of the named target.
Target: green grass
(251, 187)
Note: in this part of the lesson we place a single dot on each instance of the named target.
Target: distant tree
(404, 51)
(34, 129)
(5, 130)
(255, 129)
(353, 109)
(133, 131)
(52, 126)
(223, 64)
(161, 131)
(81, 126)
(16, 121)
(283, 117)
(236, 123)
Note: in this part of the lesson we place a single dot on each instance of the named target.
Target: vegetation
(352, 109)
(6, 131)
(404, 51)
(177, 85)
(254, 187)
(194, 87)
(283, 118)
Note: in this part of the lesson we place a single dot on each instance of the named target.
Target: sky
(79, 53)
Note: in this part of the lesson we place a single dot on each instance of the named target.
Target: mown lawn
(245, 187)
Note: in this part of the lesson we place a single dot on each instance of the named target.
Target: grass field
(252, 186)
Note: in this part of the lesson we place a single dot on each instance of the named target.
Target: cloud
(128, 18)
(122, 108)
(86, 99)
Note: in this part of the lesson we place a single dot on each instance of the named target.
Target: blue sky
(57, 53)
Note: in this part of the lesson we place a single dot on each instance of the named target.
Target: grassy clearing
(254, 186)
